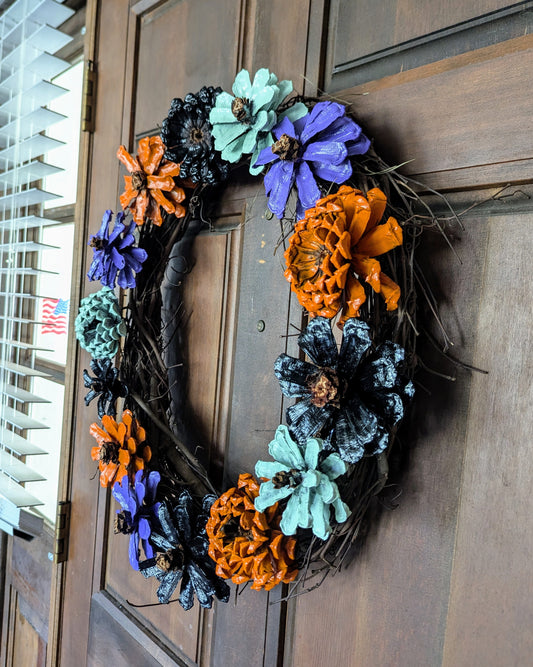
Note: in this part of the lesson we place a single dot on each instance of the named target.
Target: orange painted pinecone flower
(247, 544)
(151, 184)
(121, 449)
(335, 245)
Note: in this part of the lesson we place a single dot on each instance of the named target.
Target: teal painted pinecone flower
(99, 324)
(242, 121)
(302, 475)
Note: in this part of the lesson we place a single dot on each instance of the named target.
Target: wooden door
(27, 568)
(446, 578)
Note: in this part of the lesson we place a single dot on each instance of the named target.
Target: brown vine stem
(190, 469)
(147, 336)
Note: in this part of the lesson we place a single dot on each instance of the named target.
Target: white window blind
(29, 38)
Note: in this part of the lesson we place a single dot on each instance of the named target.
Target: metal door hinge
(62, 531)
(89, 97)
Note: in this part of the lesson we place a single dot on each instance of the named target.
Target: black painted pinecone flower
(105, 385)
(187, 134)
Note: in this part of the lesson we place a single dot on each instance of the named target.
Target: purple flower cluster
(319, 145)
(114, 253)
(139, 512)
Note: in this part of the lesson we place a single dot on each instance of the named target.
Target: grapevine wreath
(350, 226)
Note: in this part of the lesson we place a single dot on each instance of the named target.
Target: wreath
(350, 225)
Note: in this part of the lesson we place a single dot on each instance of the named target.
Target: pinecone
(187, 134)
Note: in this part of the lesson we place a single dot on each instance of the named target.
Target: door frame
(72, 367)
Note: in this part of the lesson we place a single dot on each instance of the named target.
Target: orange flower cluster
(247, 544)
(151, 184)
(121, 449)
(334, 245)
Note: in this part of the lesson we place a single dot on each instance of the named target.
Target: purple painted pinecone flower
(139, 512)
(318, 145)
(114, 253)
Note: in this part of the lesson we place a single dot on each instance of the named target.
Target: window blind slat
(32, 527)
(39, 11)
(27, 150)
(44, 39)
(26, 271)
(22, 395)
(16, 494)
(21, 344)
(16, 443)
(19, 369)
(18, 470)
(20, 419)
(45, 66)
(19, 320)
(28, 222)
(32, 123)
(38, 95)
(25, 198)
(28, 246)
(25, 175)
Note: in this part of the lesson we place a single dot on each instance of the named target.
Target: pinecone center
(240, 108)
(121, 524)
(138, 180)
(109, 452)
(292, 478)
(232, 529)
(171, 559)
(97, 243)
(197, 135)
(286, 147)
(324, 388)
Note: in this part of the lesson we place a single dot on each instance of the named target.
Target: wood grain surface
(366, 27)
(444, 579)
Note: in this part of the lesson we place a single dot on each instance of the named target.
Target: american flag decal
(55, 316)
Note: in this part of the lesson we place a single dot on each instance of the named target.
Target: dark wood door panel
(103, 183)
(369, 40)
(365, 26)
(468, 117)
(29, 647)
(26, 603)
(491, 607)
(120, 639)
(422, 588)
(182, 46)
(247, 630)
(148, 53)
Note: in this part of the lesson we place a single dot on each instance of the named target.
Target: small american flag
(55, 316)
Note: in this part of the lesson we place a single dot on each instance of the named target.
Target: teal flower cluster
(99, 324)
(304, 475)
(242, 121)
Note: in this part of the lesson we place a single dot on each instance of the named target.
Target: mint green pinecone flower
(242, 121)
(99, 324)
(296, 472)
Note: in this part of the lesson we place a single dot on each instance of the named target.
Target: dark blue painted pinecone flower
(182, 555)
(350, 397)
